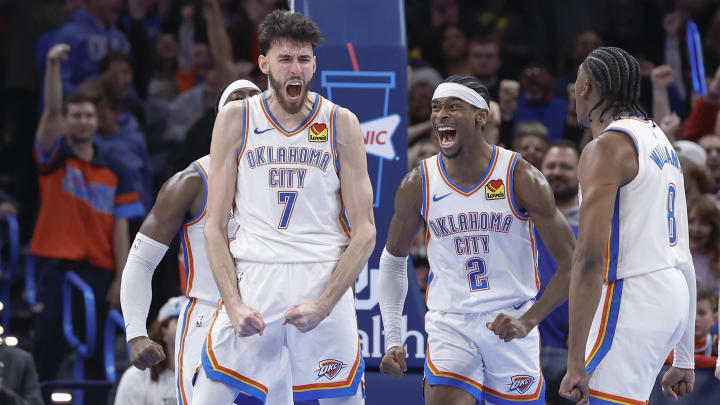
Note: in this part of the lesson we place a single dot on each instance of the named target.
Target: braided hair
(618, 75)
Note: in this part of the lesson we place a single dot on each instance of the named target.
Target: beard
(279, 90)
(566, 194)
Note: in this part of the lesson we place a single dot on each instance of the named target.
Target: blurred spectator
(7, 204)
(711, 144)
(19, 383)
(537, 102)
(155, 385)
(197, 142)
(423, 149)
(87, 197)
(485, 63)
(583, 44)
(560, 169)
(691, 151)
(91, 33)
(706, 337)
(698, 180)
(704, 227)
(531, 142)
(117, 75)
(453, 45)
(419, 110)
(190, 106)
(673, 24)
(163, 84)
(704, 114)
(661, 78)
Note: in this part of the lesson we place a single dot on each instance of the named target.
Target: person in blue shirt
(91, 33)
(560, 169)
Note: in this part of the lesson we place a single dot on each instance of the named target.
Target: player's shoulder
(409, 192)
(192, 179)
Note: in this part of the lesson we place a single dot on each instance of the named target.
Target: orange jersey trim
(186, 322)
(603, 323)
(476, 188)
(217, 367)
(299, 130)
(616, 398)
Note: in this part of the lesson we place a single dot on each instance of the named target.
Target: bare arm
(51, 121)
(173, 202)
(661, 77)
(221, 188)
(533, 193)
(606, 164)
(407, 217)
(220, 45)
(357, 196)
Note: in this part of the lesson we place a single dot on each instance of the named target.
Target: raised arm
(220, 45)
(606, 164)
(51, 121)
(157, 232)
(224, 150)
(533, 193)
(358, 197)
(393, 280)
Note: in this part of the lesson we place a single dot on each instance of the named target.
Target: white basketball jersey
(649, 229)
(199, 280)
(288, 202)
(480, 246)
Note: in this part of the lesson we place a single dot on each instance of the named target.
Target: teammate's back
(649, 225)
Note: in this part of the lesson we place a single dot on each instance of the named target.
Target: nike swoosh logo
(263, 131)
(436, 198)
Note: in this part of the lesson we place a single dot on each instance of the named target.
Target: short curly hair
(287, 24)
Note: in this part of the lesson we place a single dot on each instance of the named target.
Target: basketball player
(633, 249)
(184, 192)
(280, 160)
(480, 204)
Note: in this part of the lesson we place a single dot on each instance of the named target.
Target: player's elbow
(590, 265)
(212, 232)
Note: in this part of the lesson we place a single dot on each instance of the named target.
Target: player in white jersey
(480, 204)
(633, 247)
(183, 193)
(280, 160)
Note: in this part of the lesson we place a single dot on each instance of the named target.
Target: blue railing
(30, 288)
(9, 266)
(113, 323)
(83, 350)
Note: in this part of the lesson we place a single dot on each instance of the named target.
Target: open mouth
(293, 90)
(446, 135)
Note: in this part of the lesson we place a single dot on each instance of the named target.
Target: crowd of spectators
(137, 82)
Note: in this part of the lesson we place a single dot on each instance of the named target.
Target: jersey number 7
(287, 198)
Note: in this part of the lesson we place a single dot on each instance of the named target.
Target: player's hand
(58, 53)
(306, 316)
(245, 320)
(145, 353)
(113, 294)
(508, 328)
(575, 386)
(677, 382)
(393, 362)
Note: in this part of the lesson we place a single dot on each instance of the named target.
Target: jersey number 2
(476, 277)
(288, 198)
(672, 224)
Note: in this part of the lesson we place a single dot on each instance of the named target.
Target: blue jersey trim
(244, 130)
(484, 177)
(423, 211)
(226, 379)
(614, 240)
(511, 189)
(626, 132)
(607, 341)
(275, 121)
(205, 189)
(334, 392)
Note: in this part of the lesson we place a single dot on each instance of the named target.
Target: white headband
(464, 93)
(236, 85)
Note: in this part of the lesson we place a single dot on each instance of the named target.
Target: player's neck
(468, 167)
(289, 119)
(598, 123)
